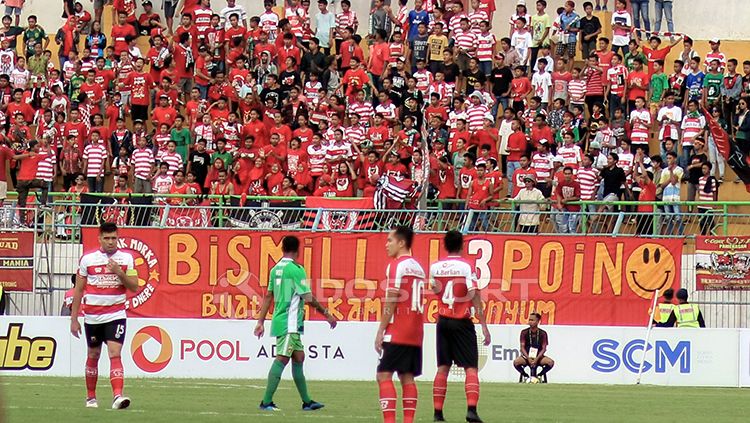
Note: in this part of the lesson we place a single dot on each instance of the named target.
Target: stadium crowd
(301, 104)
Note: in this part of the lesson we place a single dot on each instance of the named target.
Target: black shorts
(401, 359)
(456, 343)
(138, 112)
(113, 331)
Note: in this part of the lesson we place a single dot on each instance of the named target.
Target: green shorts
(289, 343)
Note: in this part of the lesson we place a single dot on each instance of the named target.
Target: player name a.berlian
(16, 262)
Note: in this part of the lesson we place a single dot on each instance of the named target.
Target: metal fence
(58, 229)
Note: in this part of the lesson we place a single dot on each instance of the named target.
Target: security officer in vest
(664, 310)
(686, 315)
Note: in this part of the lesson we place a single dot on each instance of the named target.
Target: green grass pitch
(61, 400)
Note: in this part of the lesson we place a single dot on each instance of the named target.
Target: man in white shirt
(233, 7)
(325, 24)
(542, 82)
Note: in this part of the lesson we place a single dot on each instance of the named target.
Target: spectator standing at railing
(568, 191)
(670, 184)
(695, 166)
(708, 191)
(27, 176)
(647, 187)
(529, 209)
(684, 314)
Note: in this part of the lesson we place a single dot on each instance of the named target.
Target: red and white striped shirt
(625, 163)
(46, 167)
(640, 122)
(363, 110)
(142, 159)
(571, 156)
(702, 194)
(395, 50)
(691, 127)
(297, 19)
(424, 79)
(355, 134)
(465, 40)
(455, 23)
(542, 164)
(202, 20)
(594, 83)
(475, 18)
(343, 20)
(588, 180)
(485, 46)
(316, 156)
(710, 57)
(311, 90)
(174, 161)
(104, 295)
(475, 117)
(95, 155)
(616, 78)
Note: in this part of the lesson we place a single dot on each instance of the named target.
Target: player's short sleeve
(82, 267)
(301, 283)
(471, 278)
(130, 266)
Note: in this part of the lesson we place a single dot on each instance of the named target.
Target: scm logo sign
(19, 352)
(609, 356)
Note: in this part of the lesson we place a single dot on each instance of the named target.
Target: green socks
(274, 377)
(299, 380)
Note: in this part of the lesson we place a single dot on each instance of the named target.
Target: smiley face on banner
(650, 267)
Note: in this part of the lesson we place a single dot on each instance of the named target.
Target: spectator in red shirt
(27, 177)
(516, 148)
(122, 34)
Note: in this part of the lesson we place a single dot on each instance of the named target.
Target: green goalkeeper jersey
(288, 283)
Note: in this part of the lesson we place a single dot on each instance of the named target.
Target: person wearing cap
(529, 208)
(684, 314)
(715, 54)
(599, 159)
(663, 310)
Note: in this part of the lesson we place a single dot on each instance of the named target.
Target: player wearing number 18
(104, 276)
(399, 336)
(453, 280)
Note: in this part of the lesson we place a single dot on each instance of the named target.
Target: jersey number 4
(448, 297)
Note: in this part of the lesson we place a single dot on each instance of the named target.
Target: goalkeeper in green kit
(289, 289)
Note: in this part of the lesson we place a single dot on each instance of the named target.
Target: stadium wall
(183, 348)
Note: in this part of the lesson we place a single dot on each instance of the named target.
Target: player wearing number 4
(453, 280)
(289, 289)
(104, 276)
(399, 336)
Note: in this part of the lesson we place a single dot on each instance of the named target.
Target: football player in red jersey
(399, 337)
(454, 282)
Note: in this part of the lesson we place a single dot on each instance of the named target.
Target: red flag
(734, 157)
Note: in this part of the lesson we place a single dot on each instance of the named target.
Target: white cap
(521, 3)
(489, 117)
(714, 41)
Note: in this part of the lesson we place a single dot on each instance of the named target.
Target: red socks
(388, 398)
(92, 374)
(116, 375)
(472, 387)
(409, 402)
(439, 388)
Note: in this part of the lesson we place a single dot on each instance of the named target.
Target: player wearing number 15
(399, 336)
(453, 280)
(289, 289)
(104, 276)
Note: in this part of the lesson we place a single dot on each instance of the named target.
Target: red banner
(569, 280)
(722, 263)
(17, 260)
